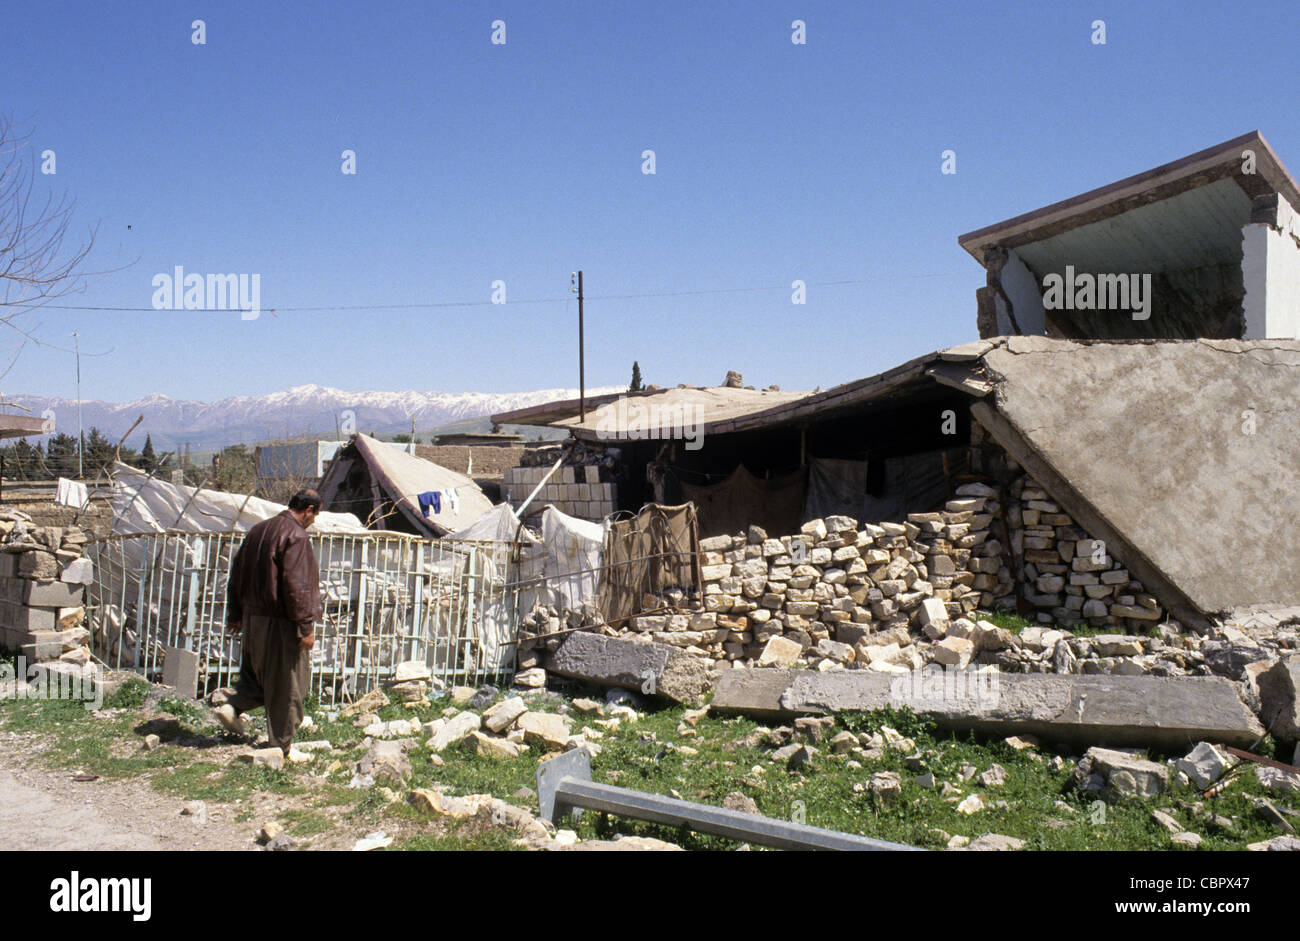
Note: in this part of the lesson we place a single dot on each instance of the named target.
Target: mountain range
(303, 411)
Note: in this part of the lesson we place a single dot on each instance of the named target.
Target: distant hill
(303, 411)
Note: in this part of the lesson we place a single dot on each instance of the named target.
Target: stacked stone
(831, 590)
(1069, 577)
(43, 578)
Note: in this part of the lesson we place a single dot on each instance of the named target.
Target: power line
(535, 300)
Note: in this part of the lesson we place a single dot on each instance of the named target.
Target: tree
(636, 385)
(147, 458)
(98, 455)
(234, 470)
(61, 456)
(34, 268)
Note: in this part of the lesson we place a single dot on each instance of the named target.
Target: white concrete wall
(1270, 270)
(1026, 299)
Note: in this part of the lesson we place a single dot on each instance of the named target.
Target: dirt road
(45, 809)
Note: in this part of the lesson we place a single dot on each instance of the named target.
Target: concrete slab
(1110, 419)
(181, 670)
(1279, 694)
(650, 668)
(1168, 713)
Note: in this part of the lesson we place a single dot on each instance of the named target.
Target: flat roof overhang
(1221, 206)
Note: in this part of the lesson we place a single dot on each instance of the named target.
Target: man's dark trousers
(275, 672)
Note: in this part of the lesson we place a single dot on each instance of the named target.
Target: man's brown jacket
(274, 574)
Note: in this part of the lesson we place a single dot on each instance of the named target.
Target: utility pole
(582, 379)
(81, 437)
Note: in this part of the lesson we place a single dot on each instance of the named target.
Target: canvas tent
(382, 486)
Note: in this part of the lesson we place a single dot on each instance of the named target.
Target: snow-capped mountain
(300, 411)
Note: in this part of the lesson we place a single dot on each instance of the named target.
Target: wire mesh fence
(387, 598)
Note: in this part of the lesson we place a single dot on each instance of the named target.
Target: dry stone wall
(43, 578)
(1069, 577)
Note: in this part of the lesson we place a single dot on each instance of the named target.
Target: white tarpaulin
(563, 569)
(144, 505)
(574, 549)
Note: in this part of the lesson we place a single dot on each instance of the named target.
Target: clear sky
(521, 162)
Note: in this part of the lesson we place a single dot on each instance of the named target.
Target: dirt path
(45, 809)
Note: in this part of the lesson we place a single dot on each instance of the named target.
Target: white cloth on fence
(71, 493)
(574, 551)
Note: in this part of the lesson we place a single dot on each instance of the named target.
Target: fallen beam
(1168, 713)
(646, 667)
(564, 784)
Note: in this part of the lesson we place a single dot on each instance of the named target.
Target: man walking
(274, 597)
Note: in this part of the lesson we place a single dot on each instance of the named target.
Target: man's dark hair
(304, 499)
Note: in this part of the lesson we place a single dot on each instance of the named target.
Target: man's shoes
(230, 719)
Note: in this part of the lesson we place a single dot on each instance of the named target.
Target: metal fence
(387, 597)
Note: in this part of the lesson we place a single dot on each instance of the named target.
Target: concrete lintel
(1166, 713)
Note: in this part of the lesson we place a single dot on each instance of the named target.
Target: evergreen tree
(61, 456)
(636, 385)
(98, 455)
(148, 460)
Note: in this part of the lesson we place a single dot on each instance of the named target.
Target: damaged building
(1123, 469)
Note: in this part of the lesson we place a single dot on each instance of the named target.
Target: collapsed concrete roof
(1185, 454)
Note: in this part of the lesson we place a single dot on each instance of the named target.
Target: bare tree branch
(34, 266)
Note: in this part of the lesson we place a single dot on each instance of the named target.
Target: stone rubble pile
(895, 596)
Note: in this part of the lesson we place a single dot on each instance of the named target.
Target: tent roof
(402, 477)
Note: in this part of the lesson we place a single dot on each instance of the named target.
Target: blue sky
(522, 162)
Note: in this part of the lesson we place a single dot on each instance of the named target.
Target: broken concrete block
(271, 758)
(503, 715)
(455, 729)
(1203, 765)
(780, 651)
(78, 572)
(409, 670)
(652, 668)
(181, 671)
(1279, 695)
(1150, 711)
(531, 679)
(931, 611)
(545, 728)
(1127, 775)
(1275, 779)
(953, 651)
(489, 747)
(1277, 844)
(387, 761)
